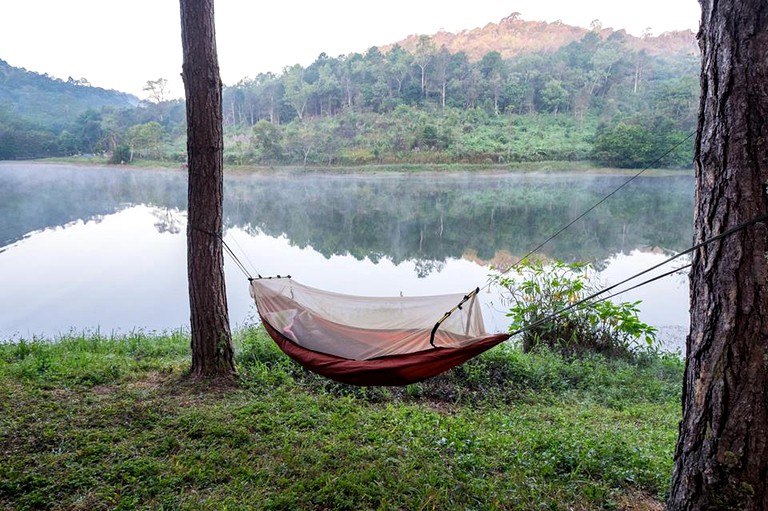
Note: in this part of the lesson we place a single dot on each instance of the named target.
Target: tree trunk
(721, 460)
(443, 94)
(212, 354)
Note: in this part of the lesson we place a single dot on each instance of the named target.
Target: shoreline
(542, 167)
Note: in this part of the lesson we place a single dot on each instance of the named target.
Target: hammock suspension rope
(598, 203)
(376, 351)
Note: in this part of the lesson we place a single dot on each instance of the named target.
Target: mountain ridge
(513, 36)
(511, 91)
(50, 101)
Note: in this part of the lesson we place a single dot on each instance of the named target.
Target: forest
(598, 95)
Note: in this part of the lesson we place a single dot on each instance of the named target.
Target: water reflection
(117, 272)
(94, 247)
(424, 218)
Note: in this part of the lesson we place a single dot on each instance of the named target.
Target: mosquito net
(362, 328)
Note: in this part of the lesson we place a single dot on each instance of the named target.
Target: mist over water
(84, 248)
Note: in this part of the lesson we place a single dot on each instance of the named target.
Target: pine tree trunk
(212, 354)
(721, 460)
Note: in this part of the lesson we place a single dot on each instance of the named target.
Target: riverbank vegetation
(95, 422)
(510, 92)
(549, 306)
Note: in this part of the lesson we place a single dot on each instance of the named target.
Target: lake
(103, 248)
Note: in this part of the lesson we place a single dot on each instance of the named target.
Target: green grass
(111, 423)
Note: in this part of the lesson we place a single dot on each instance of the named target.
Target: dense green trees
(601, 97)
(23, 139)
(146, 139)
(596, 98)
(642, 142)
(41, 116)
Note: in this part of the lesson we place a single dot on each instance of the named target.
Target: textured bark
(212, 354)
(721, 459)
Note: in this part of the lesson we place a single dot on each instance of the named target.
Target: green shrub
(640, 143)
(121, 154)
(543, 300)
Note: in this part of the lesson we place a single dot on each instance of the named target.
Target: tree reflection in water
(426, 221)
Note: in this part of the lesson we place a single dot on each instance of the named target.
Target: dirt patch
(638, 502)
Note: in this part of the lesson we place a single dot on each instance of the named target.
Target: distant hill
(50, 102)
(513, 36)
(513, 91)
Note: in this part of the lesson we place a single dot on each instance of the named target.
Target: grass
(583, 167)
(111, 423)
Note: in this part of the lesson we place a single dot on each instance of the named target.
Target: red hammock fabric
(388, 370)
(371, 340)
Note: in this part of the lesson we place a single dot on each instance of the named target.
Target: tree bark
(212, 353)
(721, 459)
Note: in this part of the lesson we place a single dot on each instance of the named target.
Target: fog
(104, 247)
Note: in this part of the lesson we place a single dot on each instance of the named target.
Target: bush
(543, 302)
(121, 154)
(641, 143)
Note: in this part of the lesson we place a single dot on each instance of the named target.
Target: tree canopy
(601, 95)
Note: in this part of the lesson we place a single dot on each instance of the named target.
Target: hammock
(371, 340)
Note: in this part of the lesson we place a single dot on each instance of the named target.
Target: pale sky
(120, 44)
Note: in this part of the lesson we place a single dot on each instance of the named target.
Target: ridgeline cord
(447, 315)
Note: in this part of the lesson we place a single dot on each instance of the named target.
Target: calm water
(104, 248)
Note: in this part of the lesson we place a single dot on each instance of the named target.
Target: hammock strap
(464, 300)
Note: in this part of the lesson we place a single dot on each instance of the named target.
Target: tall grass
(93, 358)
(97, 422)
